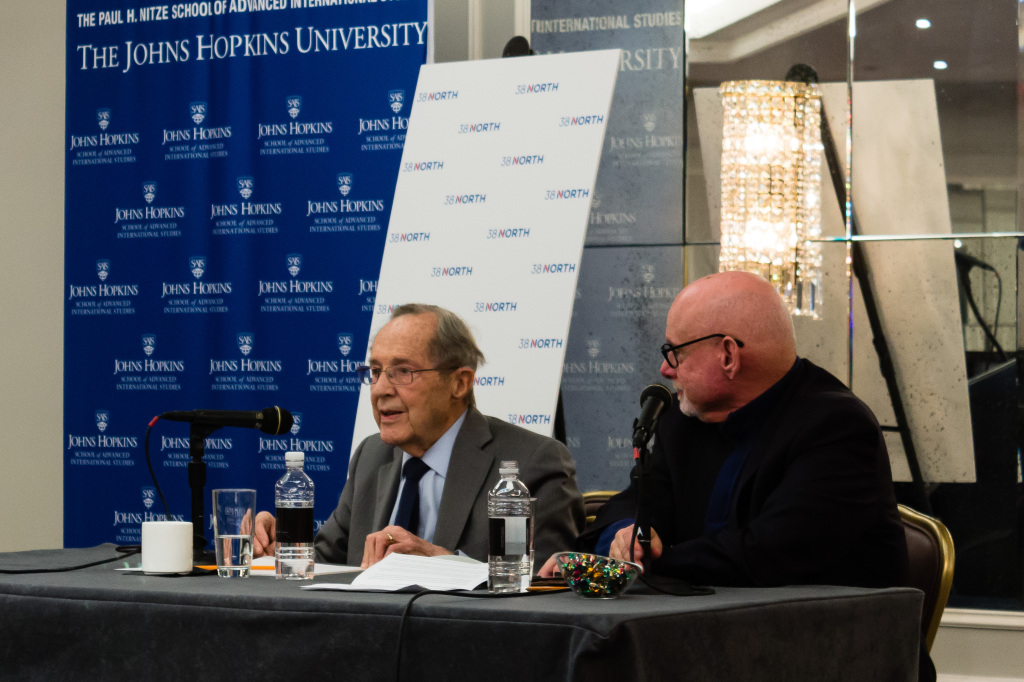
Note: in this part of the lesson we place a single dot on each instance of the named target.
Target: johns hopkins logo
(345, 183)
(647, 273)
(103, 118)
(650, 121)
(294, 261)
(197, 110)
(148, 497)
(396, 98)
(245, 185)
(294, 105)
(245, 342)
(102, 420)
(103, 269)
(345, 340)
(197, 264)
(148, 343)
(296, 423)
(593, 347)
(149, 191)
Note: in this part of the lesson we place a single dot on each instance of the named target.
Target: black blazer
(812, 504)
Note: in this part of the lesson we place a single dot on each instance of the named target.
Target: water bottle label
(508, 536)
(294, 524)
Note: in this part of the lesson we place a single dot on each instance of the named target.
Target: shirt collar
(439, 454)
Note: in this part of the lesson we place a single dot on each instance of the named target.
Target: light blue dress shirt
(437, 458)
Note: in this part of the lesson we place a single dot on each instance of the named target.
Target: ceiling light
(923, 23)
(939, 64)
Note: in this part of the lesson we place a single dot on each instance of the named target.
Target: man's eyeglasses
(398, 376)
(668, 351)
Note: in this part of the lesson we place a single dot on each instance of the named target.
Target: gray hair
(452, 345)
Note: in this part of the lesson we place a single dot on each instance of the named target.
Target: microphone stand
(643, 508)
(197, 434)
(676, 587)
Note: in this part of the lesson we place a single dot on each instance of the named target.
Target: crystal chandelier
(771, 187)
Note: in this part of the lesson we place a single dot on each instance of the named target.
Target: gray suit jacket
(545, 466)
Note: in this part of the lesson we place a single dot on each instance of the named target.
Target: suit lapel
(387, 488)
(467, 474)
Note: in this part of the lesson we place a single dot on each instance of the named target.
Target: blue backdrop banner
(230, 168)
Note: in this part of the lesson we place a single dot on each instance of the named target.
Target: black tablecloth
(99, 623)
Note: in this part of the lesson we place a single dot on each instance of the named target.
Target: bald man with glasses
(766, 470)
(420, 486)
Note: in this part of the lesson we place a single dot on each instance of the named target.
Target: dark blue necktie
(408, 515)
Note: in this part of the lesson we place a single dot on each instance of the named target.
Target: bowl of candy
(593, 576)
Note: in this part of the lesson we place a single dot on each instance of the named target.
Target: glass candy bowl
(593, 576)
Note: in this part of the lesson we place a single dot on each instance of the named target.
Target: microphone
(272, 420)
(653, 400)
(966, 261)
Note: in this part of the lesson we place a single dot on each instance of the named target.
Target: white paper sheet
(397, 571)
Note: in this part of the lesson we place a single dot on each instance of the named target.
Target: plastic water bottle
(293, 497)
(510, 554)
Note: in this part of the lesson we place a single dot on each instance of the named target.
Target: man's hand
(620, 546)
(549, 569)
(265, 535)
(395, 539)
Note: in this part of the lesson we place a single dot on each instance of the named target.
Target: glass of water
(234, 513)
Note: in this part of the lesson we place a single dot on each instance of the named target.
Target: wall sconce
(771, 187)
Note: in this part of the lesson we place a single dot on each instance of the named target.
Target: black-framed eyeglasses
(668, 351)
(398, 376)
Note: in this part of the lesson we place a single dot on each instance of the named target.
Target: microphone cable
(152, 474)
(125, 551)
(475, 595)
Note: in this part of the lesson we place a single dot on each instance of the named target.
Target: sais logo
(103, 118)
(296, 423)
(647, 272)
(245, 185)
(197, 110)
(103, 269)
(294, 105)
(593, 347)
(102, 420)
(245, 342)
(345, 183)
(294, 262)
(197, 264)
(345, 340)
(148, 497)
(650, 122)
(149, 191)
(396, 98)
(596, 201)
(148, 343)
(393, 124)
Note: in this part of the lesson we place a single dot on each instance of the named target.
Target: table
(100, 624)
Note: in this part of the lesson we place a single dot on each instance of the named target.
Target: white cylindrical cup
(167, 547)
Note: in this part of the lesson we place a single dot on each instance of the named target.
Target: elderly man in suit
(421, 371)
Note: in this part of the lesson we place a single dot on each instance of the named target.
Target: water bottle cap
(508, 467)
(294, 457)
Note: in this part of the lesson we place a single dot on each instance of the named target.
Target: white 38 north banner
(490, 214)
